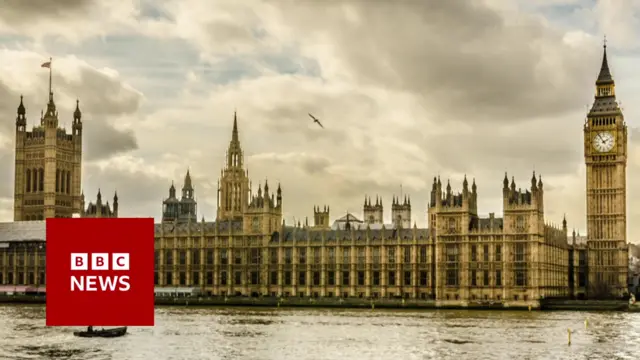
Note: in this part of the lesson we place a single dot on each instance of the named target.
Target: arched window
(68, 182)
(41, 180)
(28, 178)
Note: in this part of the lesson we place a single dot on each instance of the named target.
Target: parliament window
(332, 255)
(183, 257)
(195, 278)
(485, 253)
(376, 278)
(473, 278)
(302, 278)
(302, 255)
(274, 278)
(391, 280)
(452, 277)
(376, 254)
(423, 254)
(183, 278)
(521, 277)
(498, 278)
(288, 255)
(331, 278)
(195, 257)
(391, 255)
(345, 278)
(474, 253)
(287, 278)
(255, 256)
(407, 255)
(360, 278)
(485, 278)
(316, 255)
(209, 257)
(498, 253)
(273, 256)
(224, 279)
(316, 278)
(407, 278)
(346, 258)
(224, 257)
(168, 278)
(423, 278)
(255, 278)
(238, 278)
(209, 277)
(168, 257)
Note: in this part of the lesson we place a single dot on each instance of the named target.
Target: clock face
(603, 141)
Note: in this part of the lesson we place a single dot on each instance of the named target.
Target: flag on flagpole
(46, 65)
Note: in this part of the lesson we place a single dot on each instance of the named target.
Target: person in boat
(90, 329)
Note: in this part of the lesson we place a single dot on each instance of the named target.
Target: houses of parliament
(460, 259)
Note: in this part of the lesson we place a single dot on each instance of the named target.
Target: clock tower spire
(605, 152)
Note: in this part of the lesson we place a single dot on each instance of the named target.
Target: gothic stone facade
(48, 172)
(459, 260)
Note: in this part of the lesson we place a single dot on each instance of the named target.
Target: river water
(317, 334)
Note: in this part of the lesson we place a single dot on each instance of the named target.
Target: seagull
(316, 121)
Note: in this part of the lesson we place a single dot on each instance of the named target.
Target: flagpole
(50, 90)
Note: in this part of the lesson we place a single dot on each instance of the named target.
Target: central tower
(233, 187)
(605, 152)
(48, 165)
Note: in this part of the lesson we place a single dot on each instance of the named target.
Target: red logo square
(100, 272)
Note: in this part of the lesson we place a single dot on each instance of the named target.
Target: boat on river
(105, 333)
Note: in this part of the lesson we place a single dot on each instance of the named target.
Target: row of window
(21, 278)
(253, 278)
(255, 256)
(20, 259)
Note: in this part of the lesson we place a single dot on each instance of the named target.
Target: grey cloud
(14, 12)
(106, 141)
(101, 94)
(461, 56)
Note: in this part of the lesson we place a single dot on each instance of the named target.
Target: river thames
(316, 334)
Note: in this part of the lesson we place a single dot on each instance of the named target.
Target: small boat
(105, 333)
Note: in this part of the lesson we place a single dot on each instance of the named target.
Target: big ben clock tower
(605, 152)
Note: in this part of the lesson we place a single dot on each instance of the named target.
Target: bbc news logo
(100, 272)
(100, 261)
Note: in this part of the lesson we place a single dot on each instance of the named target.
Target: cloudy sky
(406, 92)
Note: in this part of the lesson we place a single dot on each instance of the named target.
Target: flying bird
(316, 121)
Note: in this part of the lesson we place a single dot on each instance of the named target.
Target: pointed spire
(604, 77)
(21, 109)
(474, 187)
(77, 114)
(187, 181)
(506, 180)
(234, 134)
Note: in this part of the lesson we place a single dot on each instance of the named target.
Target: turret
(21, 119)
(321, 217)
(401, 212)
(373, 212)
